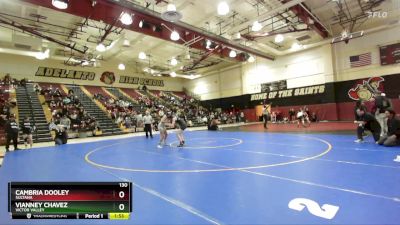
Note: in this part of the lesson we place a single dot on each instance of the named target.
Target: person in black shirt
(393, 135)
(367, 122)
(27, 129)
(12, 132)
(179, 122)
(213, 125)
(292, 115)
(359, 105)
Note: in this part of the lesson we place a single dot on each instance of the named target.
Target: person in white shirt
(148, 121)
(265, 116)
(163, 129)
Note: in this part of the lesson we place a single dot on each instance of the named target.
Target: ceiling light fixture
(223, 8)
(251, 59)
(141, 24)
(296, 46)
(187, 56)
(256, 26)
(174, 36)
(174, 62)
(208, 44)
(43, 55)
(142, 55)
(232, 54)
(237, 36)
(126, 18)
(101, 47)
(121, 66)
(126, 43)
(171, 8)
(60, 4)
(279, 38)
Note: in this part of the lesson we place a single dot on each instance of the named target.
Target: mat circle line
(88, 160)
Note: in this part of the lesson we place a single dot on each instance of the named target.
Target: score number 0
(121, 195)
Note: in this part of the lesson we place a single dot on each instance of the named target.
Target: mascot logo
(365, 89)
(107, 78)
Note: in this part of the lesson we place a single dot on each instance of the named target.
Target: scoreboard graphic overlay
(75, 200)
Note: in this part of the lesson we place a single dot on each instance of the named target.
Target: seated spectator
(313, 117)
(61, 134)
(393, 134)
(213, 124)
(37, 88)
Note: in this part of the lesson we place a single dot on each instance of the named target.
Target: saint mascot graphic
(365, 90)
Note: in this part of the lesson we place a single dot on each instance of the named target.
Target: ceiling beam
(308, 18)
(32, 31)
(203, 57)
(108, 10)
(264, 16)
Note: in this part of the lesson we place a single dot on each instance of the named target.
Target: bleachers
(180, 94)
(108, 124)
(4, 96)
(132, 93)
(156, 93)
(53, 87)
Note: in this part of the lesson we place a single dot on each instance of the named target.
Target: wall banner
(141, 81)
(312, 90)
(274, 86)
(106, 77)
(63, 73)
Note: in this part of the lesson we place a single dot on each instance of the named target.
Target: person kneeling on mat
(61, 133)
(393, 135)
(213, 124)
(179, 122)
(367, 122)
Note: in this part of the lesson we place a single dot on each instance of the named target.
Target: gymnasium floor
(228, 177)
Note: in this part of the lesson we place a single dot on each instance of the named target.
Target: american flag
(360, 60)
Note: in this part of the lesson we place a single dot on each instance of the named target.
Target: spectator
(265, 116)
(148, 120)
(382, 103)
(242, 119)
(359, 105)
(292, 115)
(12, 133)
(367, 122)
(61, 136)
(313, 117)
(213, 125)
(393, 135)
(65, 122)
(27, 129)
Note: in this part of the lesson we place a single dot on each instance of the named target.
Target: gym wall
(326, 65)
